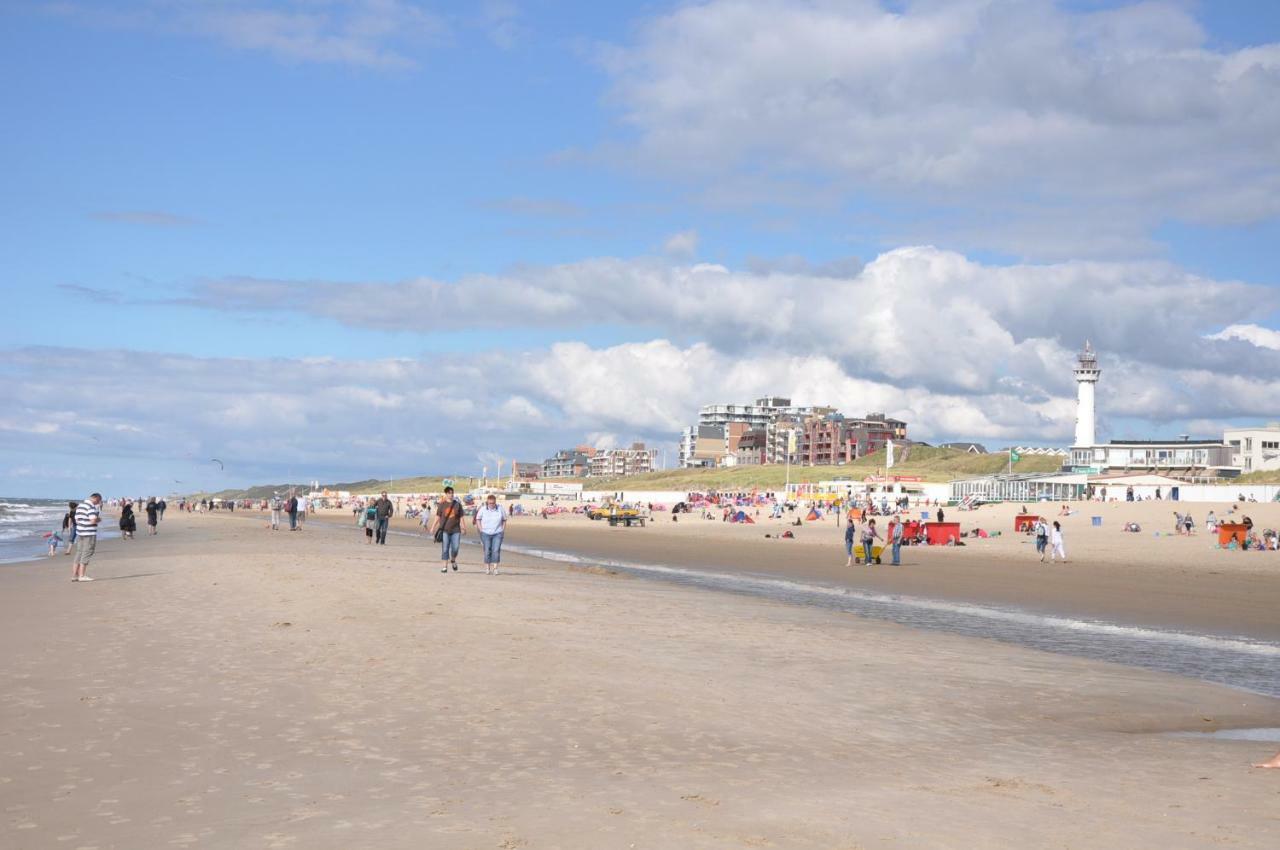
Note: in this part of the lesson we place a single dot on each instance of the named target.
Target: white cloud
(914, 315)
(1108, 122)
(682, 245)
(1254, 334)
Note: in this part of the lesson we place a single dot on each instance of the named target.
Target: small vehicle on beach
(616, 514)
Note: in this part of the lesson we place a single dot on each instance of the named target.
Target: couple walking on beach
(447, 527)
(1049, 541)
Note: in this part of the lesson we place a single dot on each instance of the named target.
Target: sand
(225, 686)
(1165, 581)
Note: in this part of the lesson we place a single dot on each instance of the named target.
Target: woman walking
(869, 538)
(128, 522)
(491, 522)
(850, 538)
(1056, 546)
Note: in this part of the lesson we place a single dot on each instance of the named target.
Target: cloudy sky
(328, 239)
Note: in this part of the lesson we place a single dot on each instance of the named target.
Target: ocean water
(24, 524)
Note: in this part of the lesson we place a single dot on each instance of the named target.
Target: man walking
(302, 510)
(291, 508)
(88, 515)
(277, 505)
(491, 522)
(383, 511)
(447, 528)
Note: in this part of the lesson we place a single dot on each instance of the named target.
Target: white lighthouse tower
(1087, 373)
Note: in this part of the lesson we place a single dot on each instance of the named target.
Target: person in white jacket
(1056, 546)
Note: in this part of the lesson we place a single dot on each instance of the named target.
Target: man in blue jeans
(491, 522)
(895, 537)
(448, 528)
(383, 509)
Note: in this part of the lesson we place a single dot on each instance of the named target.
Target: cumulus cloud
(1070, 125)
(322, 418)
(915, 315)
(682, 245)
(1254, 334)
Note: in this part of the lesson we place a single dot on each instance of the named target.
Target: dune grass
(932, 464)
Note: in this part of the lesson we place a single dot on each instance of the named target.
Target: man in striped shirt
(88, 515)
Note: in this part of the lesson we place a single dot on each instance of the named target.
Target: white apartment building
(618, 463)
(1254, 449)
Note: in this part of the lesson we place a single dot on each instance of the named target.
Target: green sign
(1014, 457)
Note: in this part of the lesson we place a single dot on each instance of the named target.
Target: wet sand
(225, 686)
(1167, 582)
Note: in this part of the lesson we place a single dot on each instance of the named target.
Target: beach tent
(814, 513)
(741, 516)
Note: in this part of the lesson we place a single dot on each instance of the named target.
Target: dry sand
(225, 686)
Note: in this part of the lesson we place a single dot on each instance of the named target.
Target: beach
(225, 686)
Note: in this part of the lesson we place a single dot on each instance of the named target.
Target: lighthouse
(1087, 373)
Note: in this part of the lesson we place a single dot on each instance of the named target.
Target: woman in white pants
(1056, 546)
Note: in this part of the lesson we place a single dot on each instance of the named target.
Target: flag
(888, 460)
(1014, 457)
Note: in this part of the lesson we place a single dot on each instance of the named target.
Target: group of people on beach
(446, 524)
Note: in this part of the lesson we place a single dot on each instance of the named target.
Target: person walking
(850, 539)
(370, 521)
(491, 521)
(383, 509)
(869, 538)
(291, 508)
(1042, 538)
(1056, 546)
(153, 516)
(88, 515)
(940, 514)
(895, 537)
(161, 505)
(277, 505)
(447, 529)
(303, 504)
(128, 522)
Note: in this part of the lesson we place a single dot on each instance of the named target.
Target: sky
(339, 239)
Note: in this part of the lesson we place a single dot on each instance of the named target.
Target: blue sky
(584, 220)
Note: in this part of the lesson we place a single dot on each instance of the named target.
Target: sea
(25, 525)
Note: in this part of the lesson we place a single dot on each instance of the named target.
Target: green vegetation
(421, 484)
(1268, 477)
(931, 464)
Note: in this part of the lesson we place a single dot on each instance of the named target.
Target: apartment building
(569, 463)
(618, 463)
(1254, 449)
